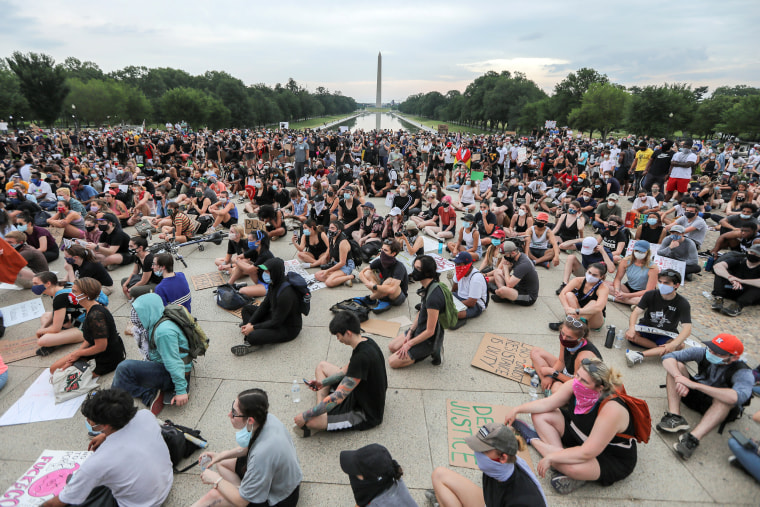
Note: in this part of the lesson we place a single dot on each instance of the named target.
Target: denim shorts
(348, 268)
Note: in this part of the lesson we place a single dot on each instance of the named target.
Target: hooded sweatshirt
(279, 309)
(168, 338)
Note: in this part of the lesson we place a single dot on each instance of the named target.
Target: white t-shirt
(683, 172)
(132, 462)
(473, 286)
(648, 201)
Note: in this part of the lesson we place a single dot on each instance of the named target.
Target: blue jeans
(48, 205)
(3, 379)
(598, 225)
(749, 459)
(142, 379)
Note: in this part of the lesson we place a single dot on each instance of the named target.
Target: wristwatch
(374, 287)
(555, 375)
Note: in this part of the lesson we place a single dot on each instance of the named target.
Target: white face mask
(591, 278)
(639, 255)
(521, 212)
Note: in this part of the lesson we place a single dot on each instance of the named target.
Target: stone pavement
(414, 428)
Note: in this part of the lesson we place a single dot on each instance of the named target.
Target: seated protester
(126, 435)
(640, 274)
(446, 220)
(297, 208)
(237, 244)
(380, 183)
(92, 234)
(312, 245)
(722, 385)
(515, 278)
(181, 228)
(370, 226)
(542, 248)
(118, 208)
(428, 217)
(615, 238)
(645, 204)
(731, 222)
(341, 261)
(263, 469)
(739, 240)
(59, 327)
(80, 263)
(520, 222)
(142, 279)
(507, 478)
(274, 220)
(350, 210)
(570, 224)
(101, 339)
(681, 248)
(469, 287)
(375, 477)
(424, 338)
(501, 206)
(38, 237)
(578, 436)
(574, 348)
(142, 202)
(411, 241)
(588, 204)
(72, 222)
(113, 246)
(173, 288)
(551, 199)
(386, 279)
(246, 265)
(485, 221)
(585, 297)
(738, 279)
(492, 257)
(591, 252)
(224, 212)
(35, 261)
(358, 399)
(604, 211)
(654, 322)
(278, 318)
(651, 230)
(167, 370)
(694, 226)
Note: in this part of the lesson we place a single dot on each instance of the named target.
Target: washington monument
(379, 101)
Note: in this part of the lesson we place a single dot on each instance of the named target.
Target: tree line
(588, 102)
(36, 88)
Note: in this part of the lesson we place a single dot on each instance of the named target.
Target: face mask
(266, 277)
(119, 171)
(500, 194)
(36, 182)
(540, 225)
(94, 209)
(611, 204)
(413, 187)
(585, 397)
(22, 228)
(306, 232)
(745, 217)
(753, 258)
(521, 212)
(520, 188)
(461, 270)
(387, 260)
(252, 245)
(591, 278)
(70, 260)
(346, 196)
(331, 234)
(665, 289)
(38, 289)
(690, 214)
(372, 171)
(402, 192)
(713, 358)
(639, 255)
(572, 211)
(243, 437)
(416, 275)
(257, 185)
(740, 198)
(76, 298)
(445, 205)
(652, 221)
(467, 182)
(60, 198)
(494, 469)
(466, 225)
(159, 273)
(103, 227)
(597, 186)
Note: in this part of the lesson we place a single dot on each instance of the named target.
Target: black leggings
(264, 336)
(290, 501)
(747, 296)
(51, 255)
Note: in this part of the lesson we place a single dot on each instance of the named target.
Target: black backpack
(356, 252)
(298, 282)
(181, 442)
(352, 305)
(229, 298)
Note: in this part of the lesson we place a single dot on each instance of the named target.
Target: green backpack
(196, 337)
(448, 317)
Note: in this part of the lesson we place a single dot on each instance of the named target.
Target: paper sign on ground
(7, 286)
(208, 280)
(464, 418)
(504, 357)
(442, 264)
(44, 479)
(38, 404)
(17, 350)
(662, 262)
(402, 321)
(22, 312)
(294, 265)
(381, 327)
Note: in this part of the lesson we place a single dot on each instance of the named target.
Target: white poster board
(662, 262)
(38, 404)
(294, 265)
(522, 154)
(22, 312)
(343, 129)
(44, 479)
(284, 125)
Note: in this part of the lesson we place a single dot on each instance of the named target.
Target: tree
(96, 100)
(710, 113)
(568, 93)
(744, 116)
(189, 105)
(42, 83)
(12, 101)
(603, 108)
(83, 71)
(660, 110)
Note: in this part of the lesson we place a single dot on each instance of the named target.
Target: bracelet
(216, 484)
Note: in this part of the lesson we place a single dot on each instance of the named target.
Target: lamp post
(74, 115)
(670, 121)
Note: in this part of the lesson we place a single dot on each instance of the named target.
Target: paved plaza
(414, 428)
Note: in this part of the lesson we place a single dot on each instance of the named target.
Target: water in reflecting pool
(377, 121)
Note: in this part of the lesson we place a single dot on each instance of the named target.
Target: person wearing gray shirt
(722, 385)
(681, 248)
(694, 226)
(301, 156)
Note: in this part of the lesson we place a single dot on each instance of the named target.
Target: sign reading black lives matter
(504, 357)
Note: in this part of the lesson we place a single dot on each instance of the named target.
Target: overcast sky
(426, 45)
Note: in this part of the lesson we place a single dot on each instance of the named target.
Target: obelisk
(378, 101)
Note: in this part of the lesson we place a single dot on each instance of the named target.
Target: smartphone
(309, 383)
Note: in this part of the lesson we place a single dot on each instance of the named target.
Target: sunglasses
(572, 321)
(590, 366)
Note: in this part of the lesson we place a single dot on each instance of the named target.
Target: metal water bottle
(610, 337)
(440, 246)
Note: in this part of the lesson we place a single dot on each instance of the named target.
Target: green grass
(316, 122)
(452, 127)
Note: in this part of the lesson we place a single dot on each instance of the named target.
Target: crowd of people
(501, 208)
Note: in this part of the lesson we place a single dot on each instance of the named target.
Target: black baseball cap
(372, 461)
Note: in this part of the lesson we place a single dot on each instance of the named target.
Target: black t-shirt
(737, 266)
(257, 257)
(99, 324)
(61, 301)
(237, 247)
(435, 301)
(116, 238)
(664, 314)
(611, 242)
(526, 272)
(481, 223)
(94, 270)
(397, 271)
(380, 180)
(660, 163)
(368, 365)
(518, 490)
(146, 266)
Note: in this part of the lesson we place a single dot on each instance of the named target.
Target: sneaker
(242, 349)
(686, 445)
(460, 323)
(561, 286)
(732, 310)
(157, 404)
(555, 326)
(492, 286)
(632, 357)
(498, 299)
(44, 351)
(381, 306)
(305, 265)
(418, 306)
(438, 356)
(545, 264)
(524, 430)
(564, 485)
(672, 423)
(717, 304)
(450, 275)
(430, 497)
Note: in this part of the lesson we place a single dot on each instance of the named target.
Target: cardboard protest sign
(381, 327)
(253, 224)
(44, 479)
(662, 262)
(17, 350)
(57, 233)
(464, 418)
(208, 280)
(504, 357)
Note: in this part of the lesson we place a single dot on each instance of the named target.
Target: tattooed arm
(347, 385)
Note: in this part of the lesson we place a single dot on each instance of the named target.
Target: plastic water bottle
(534, 384)
(619, 338)
(440, 246)
(295, 392)
(205, 460)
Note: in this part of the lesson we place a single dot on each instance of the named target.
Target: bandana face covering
(462, 269)
(387, 260)
(585, 397)
(139, 333)
(494, 469)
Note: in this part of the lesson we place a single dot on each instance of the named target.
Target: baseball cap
(368, 205)
(641, 245)
(509, 247)
(468, 217)
(677, 228)
(586, 191)
(410, 226)
(462, 258)
(372, 461)
(395, 211)
(724, 344)
(543, 217)
(74, 183)
(588, 245)
(499, 234)
(613, 197)
(493, 435)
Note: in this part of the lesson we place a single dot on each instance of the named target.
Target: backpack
(229, 298)
(448, 317)
(197, 340)
(298, 283)
(204, 222)
(181, 442)
(353, 306)
(356, 252)
(639, 410)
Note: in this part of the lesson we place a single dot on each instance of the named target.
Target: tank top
(335, 248)
(524, 227)
(585, 297)
(79, 223)
(468, 195)
(580, 426)
(568, 232)
(349, 214)
(571, 356)
(468, 240)
(638, 276)
(651, 234)
(316, 249)
(539, 242)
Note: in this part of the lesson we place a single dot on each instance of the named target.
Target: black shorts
(127, 258)
(615, 463)
(343, 417)
(229, 223)
(700, 402)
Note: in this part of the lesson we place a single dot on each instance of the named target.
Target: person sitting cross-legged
(386, 279)
(737, 278)
(470, 287)
(585, 297)
(515, 278)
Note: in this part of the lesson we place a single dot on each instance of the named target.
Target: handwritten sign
(464, 418)
(550, 124)
(253, 224)
(17, 350)
(22, 312)
(208, 280)
(44, 479)
(662, 262)
(504, 357)
(294, 265)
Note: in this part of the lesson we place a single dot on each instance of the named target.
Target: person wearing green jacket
(165, 374)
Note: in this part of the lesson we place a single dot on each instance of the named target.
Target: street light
(670, 120)
(76, 125)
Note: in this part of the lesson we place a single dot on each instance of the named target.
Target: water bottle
(205, 460)
(295, 392)
(619, 338)
(610, 337)
(440, 246)
(534, 385)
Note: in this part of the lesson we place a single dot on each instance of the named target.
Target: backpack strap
(630, 414)
(152, 339)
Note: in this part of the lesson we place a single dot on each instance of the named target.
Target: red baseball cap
(499, 234)
(726, 343)
(543, 217)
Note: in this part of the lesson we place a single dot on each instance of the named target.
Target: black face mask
(690, 214)
(89, 228)
(103, 227)
(753, 258)
(416, 275)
